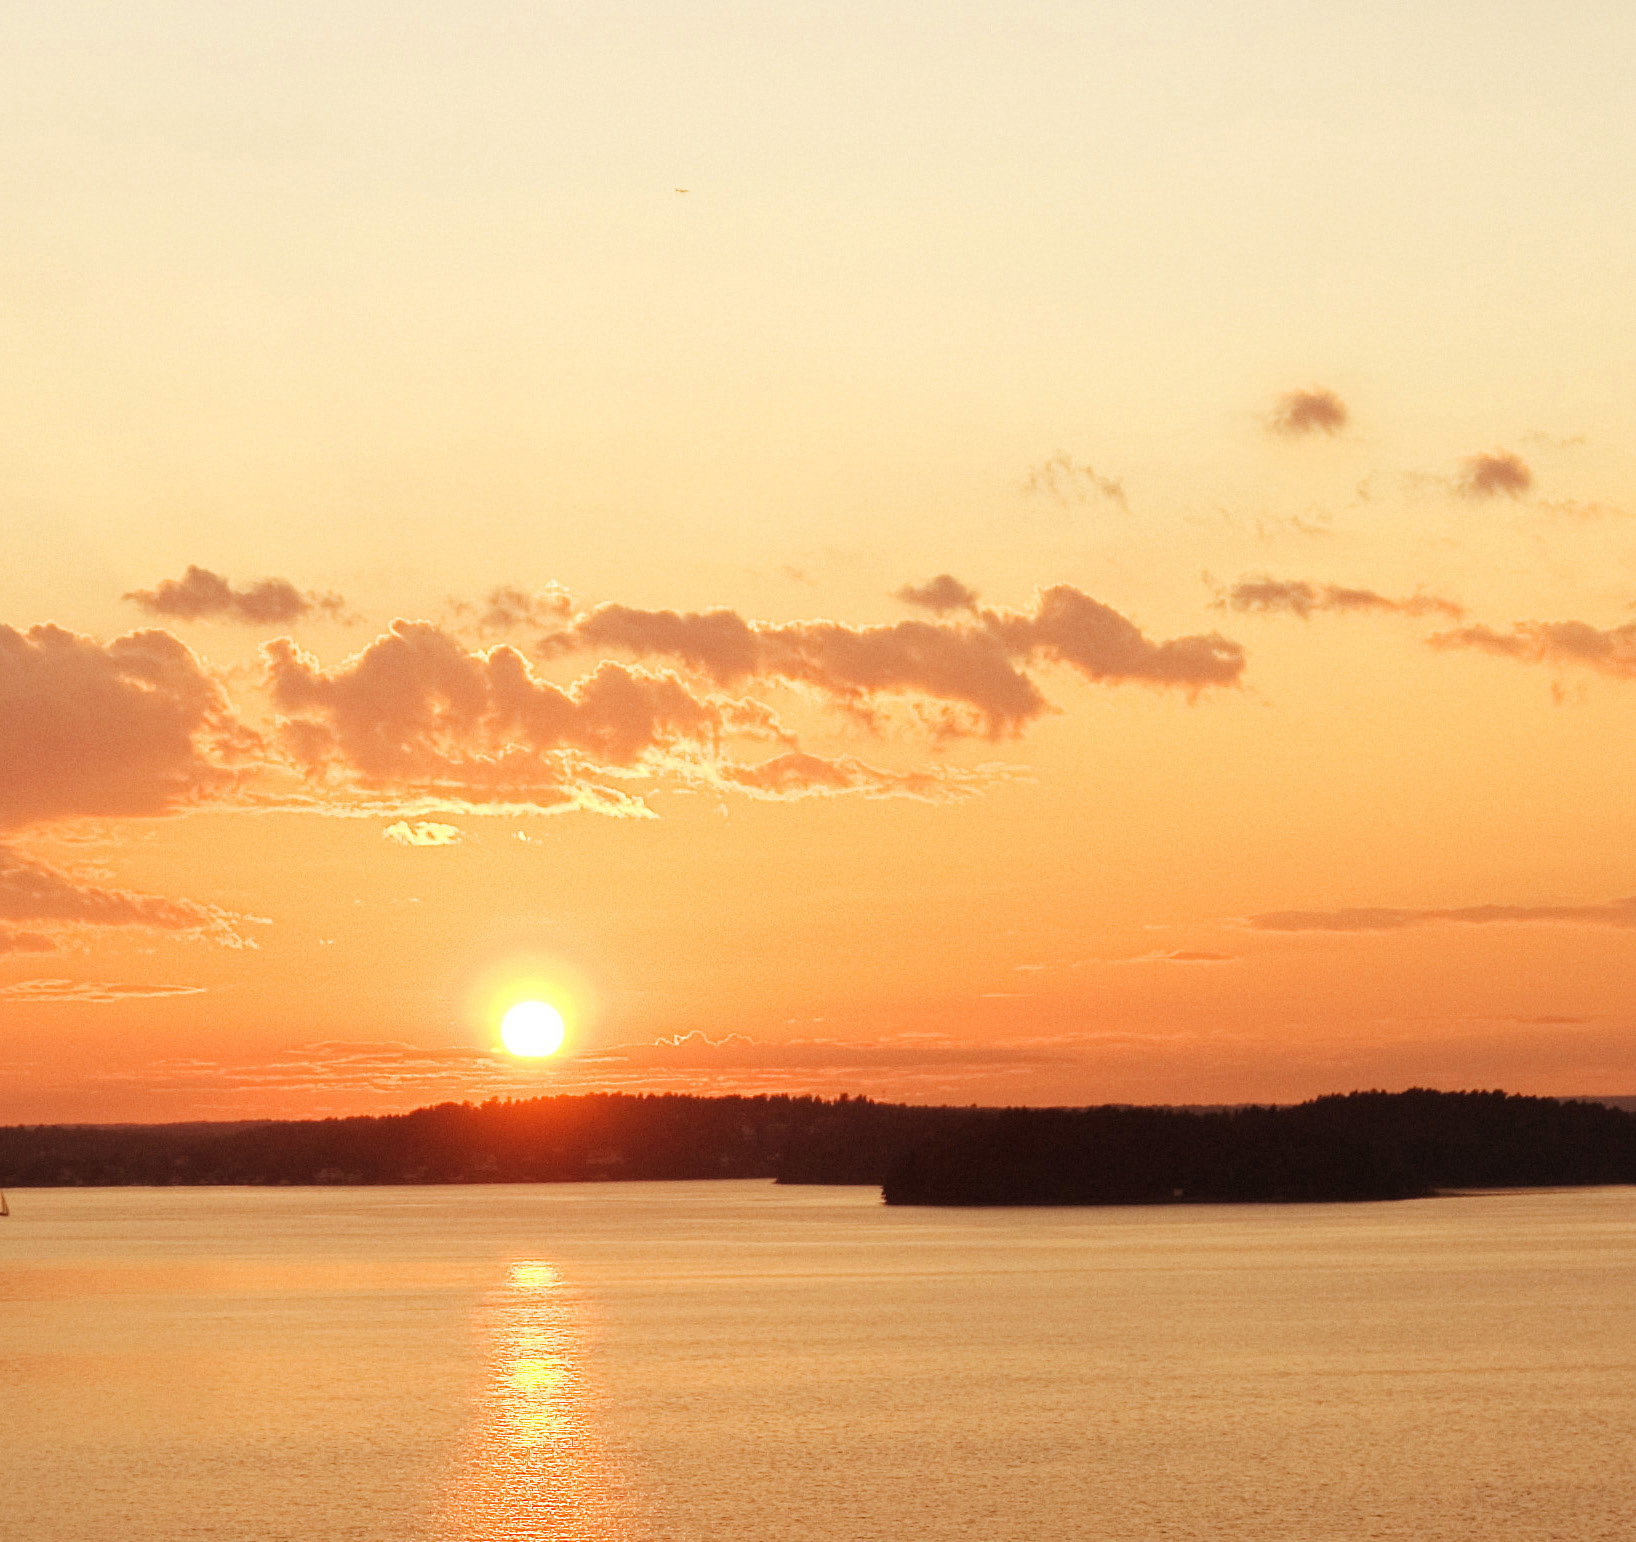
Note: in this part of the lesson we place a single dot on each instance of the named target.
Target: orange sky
(1088, 556)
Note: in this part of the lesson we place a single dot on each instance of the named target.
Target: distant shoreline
(1352, 1147)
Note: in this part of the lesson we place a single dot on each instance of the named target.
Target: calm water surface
(734, 1362)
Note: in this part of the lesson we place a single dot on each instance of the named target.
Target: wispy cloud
(340, 1076)
(800, 775)
(1173, 1064)
(509, 608)
(1617, 913)
(87, 992)
(200, 595)
(31, 890)
(1584, 510)
(1297, 597)
(423, 833)
(1610, 651)
(1065, 481)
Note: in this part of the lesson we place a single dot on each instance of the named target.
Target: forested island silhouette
(1353, 1146)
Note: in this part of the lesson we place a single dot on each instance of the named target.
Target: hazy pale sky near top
(1088, 556)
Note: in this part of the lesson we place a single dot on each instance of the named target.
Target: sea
(742, 1362)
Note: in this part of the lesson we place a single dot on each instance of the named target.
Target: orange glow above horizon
(1006, 592)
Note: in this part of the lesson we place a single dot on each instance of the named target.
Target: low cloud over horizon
(1619, 913)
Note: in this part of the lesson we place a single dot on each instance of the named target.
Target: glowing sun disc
(532, 1029)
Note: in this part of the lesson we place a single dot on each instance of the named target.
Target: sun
(532, 1029)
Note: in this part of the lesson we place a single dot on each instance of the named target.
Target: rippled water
(736, 1362)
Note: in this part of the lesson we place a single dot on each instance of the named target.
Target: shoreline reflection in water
(535, 1467)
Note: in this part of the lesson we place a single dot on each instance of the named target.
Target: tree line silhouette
(1361, 1145)
(1357, 1146)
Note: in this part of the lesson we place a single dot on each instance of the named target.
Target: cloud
(86, 991)
(1313, 410)
(970, 667)
(14, 941)
(32, 891)
(509, 609)
(1069, 627)
(1296, 597)
(697, 1051)
(416, 718)
(799, 775)
(1617, 913)
(423, 833)
(1574, 508)
(134, 727)
(417, 713)
(1059, 479)
(200, 595)
(1610, 652)
(1167, 956)
(1497, 473)
(939, 595)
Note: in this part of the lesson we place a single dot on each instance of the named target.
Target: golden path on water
(535, 1467)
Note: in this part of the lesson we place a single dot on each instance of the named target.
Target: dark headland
(1357, 1146)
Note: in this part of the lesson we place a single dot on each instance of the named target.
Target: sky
(1030, 553)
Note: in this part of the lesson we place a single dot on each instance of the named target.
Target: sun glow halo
(532, 1029)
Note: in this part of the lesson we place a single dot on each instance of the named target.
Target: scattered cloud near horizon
(200, 595)
(1617, 913)
(1297, 597)
(407, 1075)
(1312, 410)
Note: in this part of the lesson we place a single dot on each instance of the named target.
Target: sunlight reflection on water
(535, 1468)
